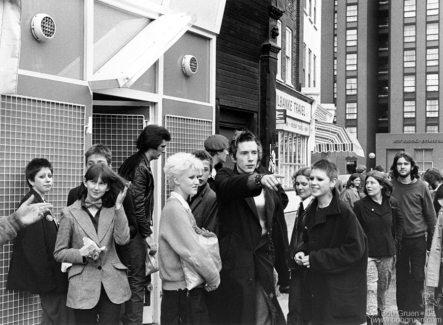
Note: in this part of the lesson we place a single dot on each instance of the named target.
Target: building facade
(98, 72)
(380, 66)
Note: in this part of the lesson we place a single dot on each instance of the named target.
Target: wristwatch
(258, 178)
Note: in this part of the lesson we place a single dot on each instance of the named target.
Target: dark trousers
(410, 278)
(105, 312)
(135, 254)
(184, 307)
(295, 297)
(54, 310)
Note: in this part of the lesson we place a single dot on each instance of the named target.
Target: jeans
(379, 277)
(410, 278)
(54, 309)
(136, 251)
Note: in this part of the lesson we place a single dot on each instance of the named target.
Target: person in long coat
(335, 253)
(33, 267)
(250, 208)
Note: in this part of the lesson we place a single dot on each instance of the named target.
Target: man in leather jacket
(151, 143)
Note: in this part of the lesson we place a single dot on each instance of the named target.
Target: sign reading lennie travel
(294, 107)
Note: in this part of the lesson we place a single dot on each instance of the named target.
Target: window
(304, 56)
(351, 111)
(335, 20)
(351, 86)
(432, 108)
(279, 62)
(335, 66)
(409, 33)
(424, 159)
(351, 61)
(409, 84)
(288, 53)
(409, 109)
(309, 67)
(431, 128)
(432, 82)
(351, 37)
(352, 130)
(432, 32)
(335, 89)
(310, 8)
(432, 7)
(293, 154)
(335, 44)
(410, 8)
(409, 129)
(314, 71)
(432, 57)
(351, 13)
(409, 59)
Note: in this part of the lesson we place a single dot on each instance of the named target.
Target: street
(391, 315)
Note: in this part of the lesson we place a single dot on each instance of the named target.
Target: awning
(333, 138)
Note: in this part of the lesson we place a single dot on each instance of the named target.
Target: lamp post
(372, 157)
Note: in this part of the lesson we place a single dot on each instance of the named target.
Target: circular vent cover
(189, 65)
(43, 27)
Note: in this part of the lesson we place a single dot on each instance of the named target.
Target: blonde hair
(177, 164)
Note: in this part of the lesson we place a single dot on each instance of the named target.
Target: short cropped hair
(152, 137)
(407, 157)
(328, 167)
(379, 168)
(34, 166)
(433, 177)
(115, 183)
(382, 179)
(178, 164)
(244, 136)
(101, 150)
(304, 171)
(203, 155)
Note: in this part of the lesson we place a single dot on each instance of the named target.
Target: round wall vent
(189, 65)
(43, 27)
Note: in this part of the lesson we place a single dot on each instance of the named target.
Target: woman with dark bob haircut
(98, 285)
(382, 221)
(334, 253)
(350, 194)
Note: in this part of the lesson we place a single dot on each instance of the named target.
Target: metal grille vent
(189, 65)
(188, 135)
(43, 27)
(31, 128)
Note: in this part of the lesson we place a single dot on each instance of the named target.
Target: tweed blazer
(86, 279)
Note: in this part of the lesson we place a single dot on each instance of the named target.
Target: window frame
(409, 8)
(432, 59)
(351, 111)
(351, 61)
(432, 109)
(288, 56)
(409, 63)
(432, 82)
(432, 7)
(408, 80)
(432, 32)
(351, 37)
(351, 13)
(351, 87)
(409, 109)
(409, 33)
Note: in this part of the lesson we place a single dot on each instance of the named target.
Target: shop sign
(418, 141)
(281, 116)
(294, 107)
(294, 126)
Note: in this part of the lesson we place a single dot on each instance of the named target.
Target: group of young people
(338, 264)
(390, 226)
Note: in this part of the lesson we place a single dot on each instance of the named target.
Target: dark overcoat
(33, 267)
(245, 258)
(334, 291)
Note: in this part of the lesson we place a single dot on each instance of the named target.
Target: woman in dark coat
(382, 221)
(298, 273)
(250, 210)
(334, 253)
(33, 267)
